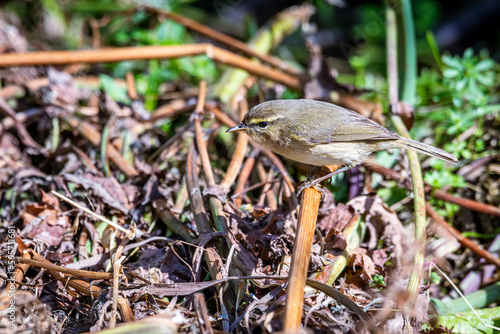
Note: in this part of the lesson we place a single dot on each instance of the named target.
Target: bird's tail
(427, 149)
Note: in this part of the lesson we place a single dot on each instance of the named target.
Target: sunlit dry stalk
(126, 312)
(271, 198)
(216, 206)
(63, 270)
(172, 109)
(209, 177)
(21, 269)
(200, 142)
(79, 285)
(82, 241)
(116, 280)
(65, 276)
(131, 89)
(300, 259)
(239, 152)
(308, 215)
(243, 177)
(148, 52)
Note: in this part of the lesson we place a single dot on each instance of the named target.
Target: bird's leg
(315, 182)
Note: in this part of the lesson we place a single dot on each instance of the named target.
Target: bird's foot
(309, 184)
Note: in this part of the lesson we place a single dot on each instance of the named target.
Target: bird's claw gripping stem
(314, 183)
(308, 184)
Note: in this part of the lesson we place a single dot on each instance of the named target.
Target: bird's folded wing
(344, 129)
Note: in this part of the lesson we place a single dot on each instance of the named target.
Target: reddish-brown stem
(467, 203)
(461, 239)
(439, 194)
(223, 38)
(169, 110)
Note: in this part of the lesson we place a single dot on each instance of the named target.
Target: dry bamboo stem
(214, 261)
(300, 259)
(308, 215)
(148, 52)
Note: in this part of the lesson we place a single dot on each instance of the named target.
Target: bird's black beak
(239, 127)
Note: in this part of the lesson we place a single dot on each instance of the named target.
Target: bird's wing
(346, 126)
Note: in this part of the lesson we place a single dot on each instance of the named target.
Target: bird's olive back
(312, 122)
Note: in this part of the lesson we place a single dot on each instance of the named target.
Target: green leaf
(467, 322)
(485, 78)
(451, 73)
(484, 65)
(452, 62)
(435, 278)
(116, 92)
(466, 154)
(461, 84)
(456, 101)
(468, 53)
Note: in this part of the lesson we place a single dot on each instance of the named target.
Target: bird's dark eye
(262, 124)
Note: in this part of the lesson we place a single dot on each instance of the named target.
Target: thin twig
(228, 40)
(466, 301)
(93, 214)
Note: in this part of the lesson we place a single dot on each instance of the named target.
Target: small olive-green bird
(320, 133)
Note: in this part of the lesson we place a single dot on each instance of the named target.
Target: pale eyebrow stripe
(271, 119)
